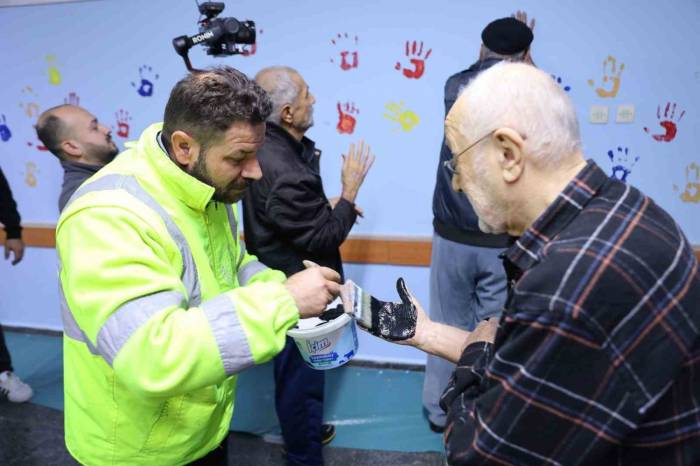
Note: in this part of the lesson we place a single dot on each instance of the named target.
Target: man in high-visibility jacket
(161, 304)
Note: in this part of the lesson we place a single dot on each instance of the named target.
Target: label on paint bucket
(314, 346)
(324, 358)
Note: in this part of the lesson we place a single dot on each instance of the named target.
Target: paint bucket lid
(314, 327)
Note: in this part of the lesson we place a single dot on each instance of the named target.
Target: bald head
(72, 133)
(51, 129)
(523, 98)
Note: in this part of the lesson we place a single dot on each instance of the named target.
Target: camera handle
(183, 44)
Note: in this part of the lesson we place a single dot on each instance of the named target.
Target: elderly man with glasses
(596, 358)
(467, 283)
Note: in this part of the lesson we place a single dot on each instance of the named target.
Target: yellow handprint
(54, 74)
(614, 77)
(29, 178)
(405, 118)
(692, 184)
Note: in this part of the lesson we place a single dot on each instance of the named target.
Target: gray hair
(279, 84)
(527, 100)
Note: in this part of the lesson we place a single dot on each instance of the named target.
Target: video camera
(219, 35)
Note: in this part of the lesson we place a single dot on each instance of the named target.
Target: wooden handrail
(387, 250)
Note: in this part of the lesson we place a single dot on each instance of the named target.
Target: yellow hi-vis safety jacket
(161, 307)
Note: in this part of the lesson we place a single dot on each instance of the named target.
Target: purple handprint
(145, 89)
(5, 133)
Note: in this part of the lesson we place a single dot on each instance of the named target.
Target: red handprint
(249, 52)
(346, 120)
(345, 63)
(123, 119)
(670, 127)
(413, 49)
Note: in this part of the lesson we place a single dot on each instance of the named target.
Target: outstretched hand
(356, 165)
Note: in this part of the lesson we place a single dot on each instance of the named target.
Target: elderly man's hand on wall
(356, 165)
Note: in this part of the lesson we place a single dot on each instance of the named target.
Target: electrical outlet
(598, 114)
(625, 114)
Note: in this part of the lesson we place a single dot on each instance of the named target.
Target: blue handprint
(5, 133)
(146, 87)
(622, 163)
(558, 80)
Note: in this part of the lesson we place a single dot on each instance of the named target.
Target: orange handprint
(30, 175)
(31, 109)
(614, 77)
(692, 184)
(417, 62)
(667, 123)
(346, 120)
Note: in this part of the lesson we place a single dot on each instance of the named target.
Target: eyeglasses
(451, 165)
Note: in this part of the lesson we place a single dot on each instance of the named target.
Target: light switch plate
(598, 114)
(625, 114)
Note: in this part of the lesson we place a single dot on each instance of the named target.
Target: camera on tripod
(220, 35)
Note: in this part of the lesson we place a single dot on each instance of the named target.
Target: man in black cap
(467, 280)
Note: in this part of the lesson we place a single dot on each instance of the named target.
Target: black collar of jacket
(305, 149)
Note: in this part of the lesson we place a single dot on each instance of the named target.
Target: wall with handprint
(377, 70)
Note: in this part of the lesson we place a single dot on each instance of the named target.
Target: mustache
(239, 186)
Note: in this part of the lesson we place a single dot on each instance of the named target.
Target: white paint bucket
(326, 345)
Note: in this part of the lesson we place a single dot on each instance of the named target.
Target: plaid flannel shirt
(597, 357)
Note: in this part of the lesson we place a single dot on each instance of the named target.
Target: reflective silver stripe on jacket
(131, 185)
(228, 333)
(129, 317)
(70, 326)
(249, 270)
(234, 232)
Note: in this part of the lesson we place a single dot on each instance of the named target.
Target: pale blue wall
(100, 45)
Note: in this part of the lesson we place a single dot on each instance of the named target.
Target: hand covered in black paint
(388, 320)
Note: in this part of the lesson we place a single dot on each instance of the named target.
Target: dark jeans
(5, 362)
(299, 402)
(216, 457)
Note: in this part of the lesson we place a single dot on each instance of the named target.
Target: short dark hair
(206, 103)
(51, 131)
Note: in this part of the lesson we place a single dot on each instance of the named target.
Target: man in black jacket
(288, 219)
(11, 387)
(80, 142)
(467, 281)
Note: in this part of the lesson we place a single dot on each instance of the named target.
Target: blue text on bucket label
(321, 358)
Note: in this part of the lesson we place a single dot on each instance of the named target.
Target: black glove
(387, 320)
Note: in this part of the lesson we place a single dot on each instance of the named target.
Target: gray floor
(33, 435)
